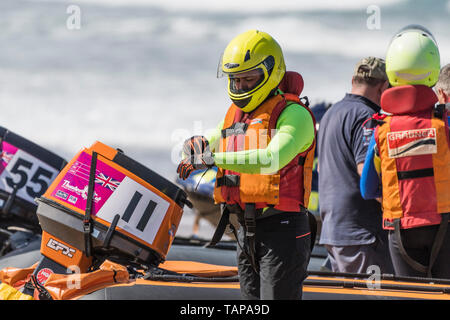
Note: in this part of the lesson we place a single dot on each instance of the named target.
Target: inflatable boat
(194, 272)
(108, 233)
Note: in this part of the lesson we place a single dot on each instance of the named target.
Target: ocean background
(140, 75)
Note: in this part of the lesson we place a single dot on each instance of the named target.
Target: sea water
(140, 75)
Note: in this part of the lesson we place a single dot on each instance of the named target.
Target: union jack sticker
(6, 156)
(106, 182)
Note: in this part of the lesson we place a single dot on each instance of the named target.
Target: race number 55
(28, 175)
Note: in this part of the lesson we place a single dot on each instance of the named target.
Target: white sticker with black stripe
(141, 210)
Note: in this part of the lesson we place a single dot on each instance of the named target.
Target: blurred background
(140, 75)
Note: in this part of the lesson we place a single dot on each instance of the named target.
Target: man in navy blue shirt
(351, 226)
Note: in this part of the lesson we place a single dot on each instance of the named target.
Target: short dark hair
(444, 79)
(373, 82)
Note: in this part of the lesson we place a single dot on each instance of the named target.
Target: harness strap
(437, 244)
(221, 226)
(233, 229)
(87, 221)
(249, 225)
(413, 263)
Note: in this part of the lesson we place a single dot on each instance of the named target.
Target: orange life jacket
(287, 189)
(414, 148)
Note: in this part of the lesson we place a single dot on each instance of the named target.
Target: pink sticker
(73, 187)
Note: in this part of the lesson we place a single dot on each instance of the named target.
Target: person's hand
(198, 156)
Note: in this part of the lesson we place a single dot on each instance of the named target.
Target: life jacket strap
(228, 180)
(438, 240)
(413, 174)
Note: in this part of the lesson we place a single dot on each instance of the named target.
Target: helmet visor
(267, 63)
(244, 82)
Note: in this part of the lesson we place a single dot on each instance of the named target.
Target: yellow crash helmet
(413, 57)
(253, 53)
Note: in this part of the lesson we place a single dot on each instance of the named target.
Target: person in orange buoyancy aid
(264, 151)
(410, 150)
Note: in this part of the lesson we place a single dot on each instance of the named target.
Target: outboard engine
(104, 205)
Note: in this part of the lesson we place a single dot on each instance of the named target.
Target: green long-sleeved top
(295, 134)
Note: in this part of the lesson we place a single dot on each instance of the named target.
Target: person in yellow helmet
(408, 162)
(264, 151)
